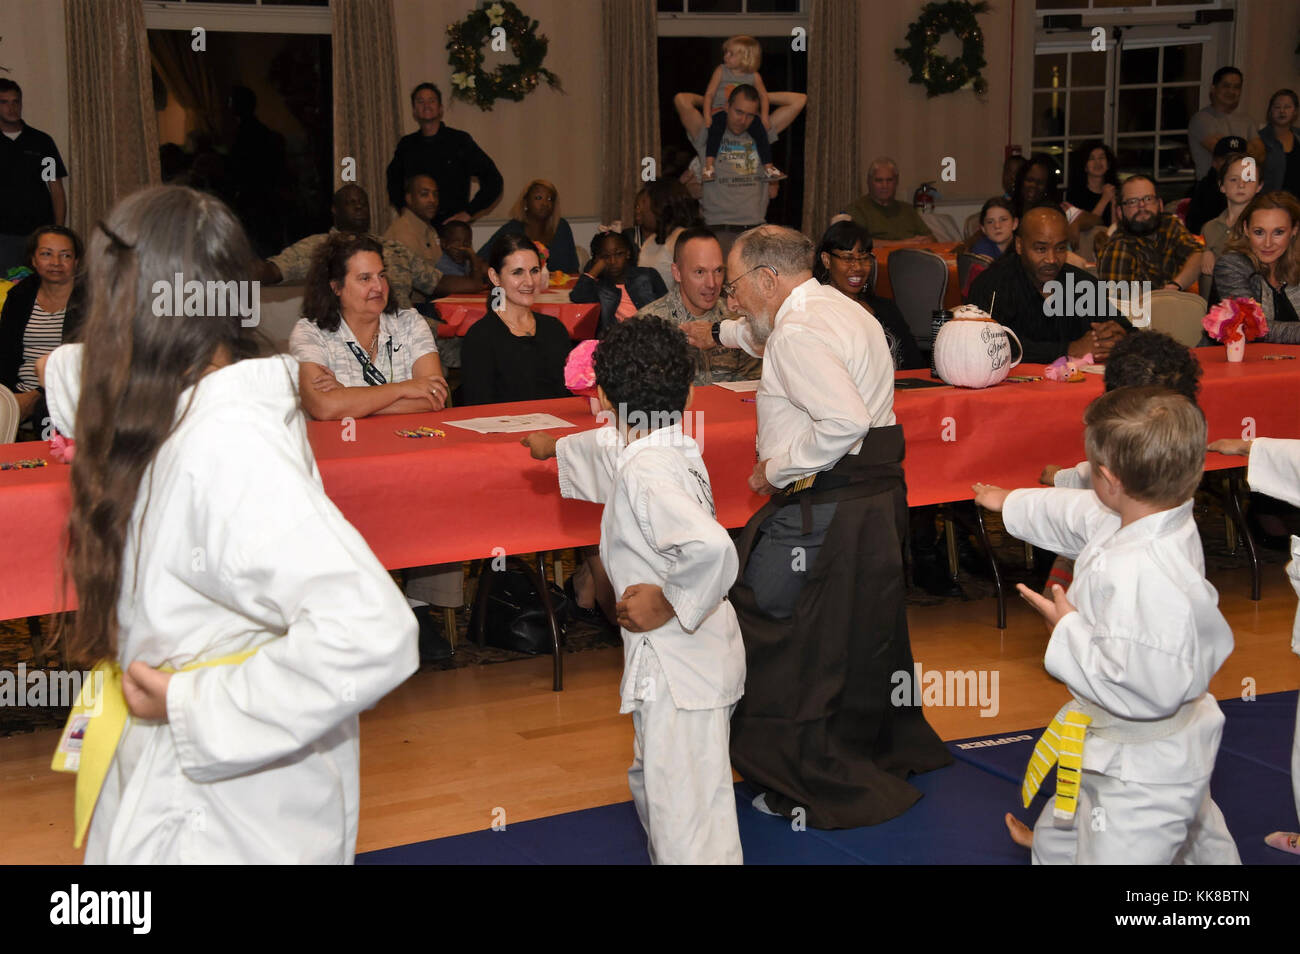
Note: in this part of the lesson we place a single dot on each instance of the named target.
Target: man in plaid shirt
(1149, 245)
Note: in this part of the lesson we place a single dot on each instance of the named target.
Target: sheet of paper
(510, 424)
(738, 385)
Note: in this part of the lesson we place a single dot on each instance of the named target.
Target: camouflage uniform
(405, 271)
(715, 364)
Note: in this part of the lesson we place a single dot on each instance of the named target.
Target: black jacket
(644, 285)
(452, 157)
(17, 313)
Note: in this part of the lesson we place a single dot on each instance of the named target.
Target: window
(250, 116)
(1137, 96)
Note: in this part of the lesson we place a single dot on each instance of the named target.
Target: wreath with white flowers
(465, 43)
(939, 74)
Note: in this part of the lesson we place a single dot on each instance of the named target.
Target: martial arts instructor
(820, 595)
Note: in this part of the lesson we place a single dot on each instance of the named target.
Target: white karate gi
(1143, 645)
(258, 762)
(1078, 477)
(682, 680)
(1275, 470)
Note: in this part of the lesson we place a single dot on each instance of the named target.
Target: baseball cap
(1229, 144)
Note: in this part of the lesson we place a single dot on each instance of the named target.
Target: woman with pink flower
(1262, 262)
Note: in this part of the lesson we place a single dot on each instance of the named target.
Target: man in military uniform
(694, 304)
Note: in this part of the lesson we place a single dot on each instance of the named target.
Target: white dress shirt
(404, 338)
(828, 378)
(240, 548)
(1275, 470)
(659, 527)
(1147, 636)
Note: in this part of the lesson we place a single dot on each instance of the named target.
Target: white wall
(34, 48)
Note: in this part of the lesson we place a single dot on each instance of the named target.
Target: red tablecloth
(945, 250)
(435, 500)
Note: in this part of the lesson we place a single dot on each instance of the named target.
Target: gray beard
(761, 325)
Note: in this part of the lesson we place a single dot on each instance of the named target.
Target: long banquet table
(435, 500)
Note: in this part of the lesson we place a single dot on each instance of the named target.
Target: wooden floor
(448, 749)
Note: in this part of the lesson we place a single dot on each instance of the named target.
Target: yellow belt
(1061, 745)
(94, 728)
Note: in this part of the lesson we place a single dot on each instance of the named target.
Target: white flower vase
(1237, 349)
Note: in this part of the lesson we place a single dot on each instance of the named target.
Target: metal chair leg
(1233, 502)
(993, 564)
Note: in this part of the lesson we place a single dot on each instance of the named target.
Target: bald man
(1054, 308)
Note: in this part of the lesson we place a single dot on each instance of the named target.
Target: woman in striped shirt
(40, 313)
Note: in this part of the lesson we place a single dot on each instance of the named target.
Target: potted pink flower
(1234, 321)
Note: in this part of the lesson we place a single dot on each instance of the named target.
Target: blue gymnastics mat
(957, 822)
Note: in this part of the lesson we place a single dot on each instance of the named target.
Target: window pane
(1087, 113)
(1138, 66)
(713, 6)
(1175, 158)
(1044, 64)
(1137, 110)
(1135, 155)
(1177, 106)
(670, 6)
(1088, 69)
(773, 6)
(1049, 121)
(1182, 63)
(1061, 4)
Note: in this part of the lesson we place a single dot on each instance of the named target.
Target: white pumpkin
(973, 351)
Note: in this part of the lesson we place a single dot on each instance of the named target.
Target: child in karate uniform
(1275, 470)
(672, 563)
(1137, 638)
(249, 619)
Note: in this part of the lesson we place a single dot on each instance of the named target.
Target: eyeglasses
(1140, 200)
(861, 258)
(729, 288)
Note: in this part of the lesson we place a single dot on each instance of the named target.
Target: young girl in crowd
(998, 224)
(240, 621)
(1239, 183)
(1136, 638)
(673, 564)
(1094, 184)
(741, 56)
(620, 288)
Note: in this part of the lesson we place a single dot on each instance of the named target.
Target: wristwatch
(717, 333)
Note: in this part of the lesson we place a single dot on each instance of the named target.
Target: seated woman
(1094, 184)
(621, 291)
(41, 312)
(358, 355)
(998, 224)
(670, 210)
(844, 260)
(1036, 185)
(536, 215)
(1262, 261)
(513, 353)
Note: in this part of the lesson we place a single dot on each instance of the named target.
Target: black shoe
(593, 615)
(433, 645)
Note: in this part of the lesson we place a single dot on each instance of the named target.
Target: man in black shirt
(1043, 299)
(31, 179)
(449, 155)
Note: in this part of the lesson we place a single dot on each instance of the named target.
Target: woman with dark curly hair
(1094, 182)
(358, 353)
(671, 209)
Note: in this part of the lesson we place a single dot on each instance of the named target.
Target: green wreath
(938, 73)
(465, 43)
